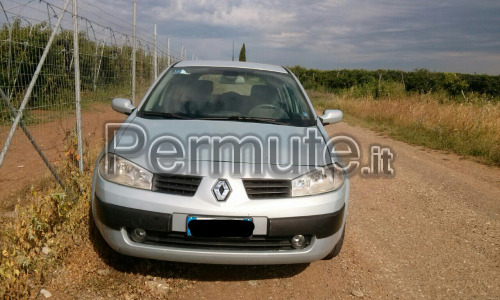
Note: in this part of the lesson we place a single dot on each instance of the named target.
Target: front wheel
(336, 249)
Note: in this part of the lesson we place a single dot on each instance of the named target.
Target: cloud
(446, 35)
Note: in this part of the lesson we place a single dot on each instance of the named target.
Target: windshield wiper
(246, 119)
(165, 115)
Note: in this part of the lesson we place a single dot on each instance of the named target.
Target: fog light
(298, 241)
(138, 235)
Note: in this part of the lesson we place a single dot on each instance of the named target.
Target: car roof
(230, 64)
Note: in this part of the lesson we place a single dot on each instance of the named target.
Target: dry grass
(51, 218)
(465, 128)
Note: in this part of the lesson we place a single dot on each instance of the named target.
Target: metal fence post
(95, 61)
(168, 51)
(31, 86)
(76, 55)
(133, 58)
(155, 58)
(98, 62)
(99, 65)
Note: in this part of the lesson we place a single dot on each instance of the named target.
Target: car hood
(218, 141)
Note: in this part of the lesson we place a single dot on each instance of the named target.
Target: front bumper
(120, 242)
(117, 217)
(117, 209)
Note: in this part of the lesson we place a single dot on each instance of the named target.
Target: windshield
(228, 94)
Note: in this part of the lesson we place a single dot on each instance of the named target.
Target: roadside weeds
(467, 129)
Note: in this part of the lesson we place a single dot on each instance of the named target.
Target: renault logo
(221, 190)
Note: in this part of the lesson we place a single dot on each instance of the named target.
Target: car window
(219, 93)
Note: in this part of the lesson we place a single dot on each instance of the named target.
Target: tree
(243, 55)
(453, 84)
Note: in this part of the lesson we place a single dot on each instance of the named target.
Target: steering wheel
(275, 111)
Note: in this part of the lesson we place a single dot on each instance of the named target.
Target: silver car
(222, 163)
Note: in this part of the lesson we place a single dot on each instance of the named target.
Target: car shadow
(199, 272)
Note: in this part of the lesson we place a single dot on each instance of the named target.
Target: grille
(185, 185)
(267, 188)
(255, 243)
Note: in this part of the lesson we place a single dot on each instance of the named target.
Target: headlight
(119, 170)
(322, 180)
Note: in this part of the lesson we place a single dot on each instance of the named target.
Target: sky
(440, 35)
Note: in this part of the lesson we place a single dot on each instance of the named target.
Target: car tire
(337, 248)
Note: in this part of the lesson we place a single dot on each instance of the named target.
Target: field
(464, 128)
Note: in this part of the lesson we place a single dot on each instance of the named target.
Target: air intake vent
(254, 243)
(267, 188)
(185, 185)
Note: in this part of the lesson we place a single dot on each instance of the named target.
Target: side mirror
(331, 116)
(122, 105)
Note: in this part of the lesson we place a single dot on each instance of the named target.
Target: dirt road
(430, 232)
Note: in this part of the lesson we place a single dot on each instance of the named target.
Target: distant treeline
(419, 81)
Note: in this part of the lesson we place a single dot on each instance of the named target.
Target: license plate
(218, 227)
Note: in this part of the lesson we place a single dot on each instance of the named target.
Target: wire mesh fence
(105, 59)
